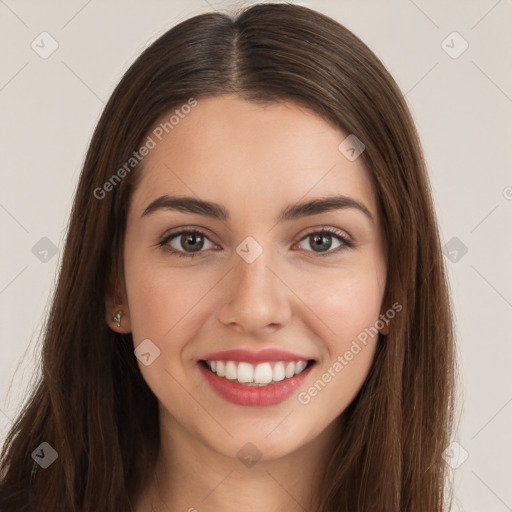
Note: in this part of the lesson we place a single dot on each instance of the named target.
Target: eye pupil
(191, 240)
(322, 239)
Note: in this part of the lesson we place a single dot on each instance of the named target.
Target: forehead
(248, 154)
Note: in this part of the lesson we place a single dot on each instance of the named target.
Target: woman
(204, 351)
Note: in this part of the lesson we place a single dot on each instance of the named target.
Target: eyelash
(340, 235)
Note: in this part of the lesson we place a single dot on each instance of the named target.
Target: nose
(255, 299)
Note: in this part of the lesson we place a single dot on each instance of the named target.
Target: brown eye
(191, 241)
(185, 243)
(322, 241)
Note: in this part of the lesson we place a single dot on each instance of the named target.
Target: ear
(117, 313)
(384, 323)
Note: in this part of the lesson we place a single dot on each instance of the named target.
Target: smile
(263, 384)
(262, 374)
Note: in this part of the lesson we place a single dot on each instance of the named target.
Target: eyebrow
(291, 212)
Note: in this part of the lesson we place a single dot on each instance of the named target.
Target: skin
(254, 160)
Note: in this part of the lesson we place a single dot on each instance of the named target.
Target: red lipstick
(254, 395)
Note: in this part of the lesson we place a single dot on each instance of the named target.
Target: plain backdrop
(461, 100)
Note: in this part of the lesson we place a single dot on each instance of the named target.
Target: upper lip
(251, 356)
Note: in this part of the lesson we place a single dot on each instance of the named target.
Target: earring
(117, 318)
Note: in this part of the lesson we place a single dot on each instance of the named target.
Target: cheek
(345, 303)
(162, 298)
(350, 308)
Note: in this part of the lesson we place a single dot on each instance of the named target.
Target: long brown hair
(91, 403)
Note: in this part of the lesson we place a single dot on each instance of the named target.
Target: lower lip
(237, 393)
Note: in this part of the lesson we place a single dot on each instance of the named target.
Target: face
(253, 274)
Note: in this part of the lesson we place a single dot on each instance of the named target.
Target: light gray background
(462, 107)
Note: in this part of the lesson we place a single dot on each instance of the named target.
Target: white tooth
(245, 372)
(231, 370)
(300, 366)
(221, 369)
(278, 372)
(213, 365)
(263, 373)
(290, 370)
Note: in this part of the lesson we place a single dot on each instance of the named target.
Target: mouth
(262, 384)
(266, 373)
